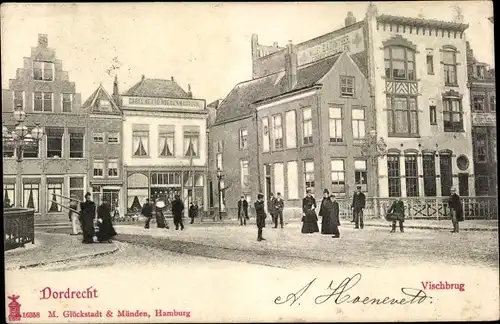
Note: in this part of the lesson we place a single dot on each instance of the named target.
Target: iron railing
(19, 227)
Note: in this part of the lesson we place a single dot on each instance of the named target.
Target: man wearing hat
(457, 212)
(147, 211)
(87, 216)
(260, 216)
(358, 204)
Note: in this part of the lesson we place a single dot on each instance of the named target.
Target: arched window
(450, 66)
(399, 63)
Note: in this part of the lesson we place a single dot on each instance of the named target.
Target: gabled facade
(484, 135)
(105, 145)
(60, 164)
(165, 144)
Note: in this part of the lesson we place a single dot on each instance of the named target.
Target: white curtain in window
(291, 129)
(191, 141)
(53, 194)
(279, 181)
(292, 180)
(31, 199)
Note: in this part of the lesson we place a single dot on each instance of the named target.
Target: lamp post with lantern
(374, 149)
(21, 138)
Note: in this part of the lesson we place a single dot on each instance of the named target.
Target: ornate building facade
(165, 131)
(59, 165)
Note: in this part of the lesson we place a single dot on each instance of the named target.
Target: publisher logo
(14, 309)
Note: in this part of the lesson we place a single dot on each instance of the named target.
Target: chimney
(172, 78)
(115, 86)
(291, 66)
(190, 94)
(43, 40)
(275, 44)
(350, 19)
(143, 77)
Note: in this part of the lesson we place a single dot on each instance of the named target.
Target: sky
(206, 45)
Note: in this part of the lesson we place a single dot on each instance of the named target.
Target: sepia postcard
(249, 162)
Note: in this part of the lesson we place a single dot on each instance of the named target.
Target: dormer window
(104, 105)
(43, 71)
(399, 63)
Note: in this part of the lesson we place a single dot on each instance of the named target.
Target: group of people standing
(177, 208)
(87, 218)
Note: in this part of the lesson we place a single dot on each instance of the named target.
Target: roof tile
(157, 88)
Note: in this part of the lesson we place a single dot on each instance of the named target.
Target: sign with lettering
(165, 103)
(484, 119)
(352, 42)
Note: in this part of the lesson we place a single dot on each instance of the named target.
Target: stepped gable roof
(422, 22)
(157, 88)
(238, 102)
(93, 103)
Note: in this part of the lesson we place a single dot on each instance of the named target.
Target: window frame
(109, 168)
(451, 128)
(278, 139)
(31, 186)
(191, 135)
(113, 135)
(359, 122)
(23, 99)
(391, 114)
(338, 186)
(143, 134)
(480, 131)
(430, 64)
(454, 82)
(411, 173)
(94, 163)
(394, 174)
(336, 121)
(70, 102)
(305, 173)
(83, 144)
(60, 187)
(363, 174)
(307, 140)
(432, 115)
(98, 135)
(42, 102)
(82, 189)
(344, 86)
(405, 61)
(47, 131)
(42, 70)
(481, 102)
(243, 138)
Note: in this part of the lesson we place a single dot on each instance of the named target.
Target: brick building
(104, 120)
(484, 135)
(165, 146)
(60, 164)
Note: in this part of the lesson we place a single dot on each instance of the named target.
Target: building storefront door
(167, 195)
(112, 196)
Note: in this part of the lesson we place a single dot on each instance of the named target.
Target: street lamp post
(374, 149)
(21, 138)
(220, 175)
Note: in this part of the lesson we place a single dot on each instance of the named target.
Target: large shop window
(402, 116)
(243, 139)
(429, 165)
(279, 180)
(445, 168)
(411, 173)
(291, 129)
(54, 192)
(76, 147)
(188, 195)
(480, 137)
(76, 187)
(292, 174)
(335, 116)
(54, 142)
(140, 140)
(9, 195)
(166, 138)
(453, 115)
(394, 175)
(265, 135)
(309, 175)
(338, 176)
(450, 66)
(31, 194)
(307, 126)
(191, 141)
(399, 63)
(245, 176)
(361, 174)
(137, 192)
(278, 132)
(42, 101)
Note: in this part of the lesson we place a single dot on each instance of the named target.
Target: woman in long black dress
(329, 212)
(104, 223)
(160, 218)
(309, 219)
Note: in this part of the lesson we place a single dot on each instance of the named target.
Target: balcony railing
(19, 227)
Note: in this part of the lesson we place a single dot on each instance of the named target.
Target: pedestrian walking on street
(396, 213)
(243, 210)
(147, 211)
(260, 216)
(160, 218)
(456, 209)
(327, 213)
(271, 209)
(73, 216)
(309, 218)
(177, 209)
(193, 211)
(279, 205)
(87, 216)
(105, 225)
(358, 204)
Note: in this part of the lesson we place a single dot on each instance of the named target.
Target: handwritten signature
(339, 295)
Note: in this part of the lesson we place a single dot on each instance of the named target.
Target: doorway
(112, 196)
(268, 180)
(463, 184)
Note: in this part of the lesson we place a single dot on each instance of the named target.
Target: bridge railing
(19, 227)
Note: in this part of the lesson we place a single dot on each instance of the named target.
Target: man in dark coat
(193, 211)
(457, 213)
(147, 211)
(270, 206)
(260, 216)
(87, 216)
(279, 205)
(397, 210)
(177, 209)
(243, 210)
(358, 204)
(104, 223)
(309, 219)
